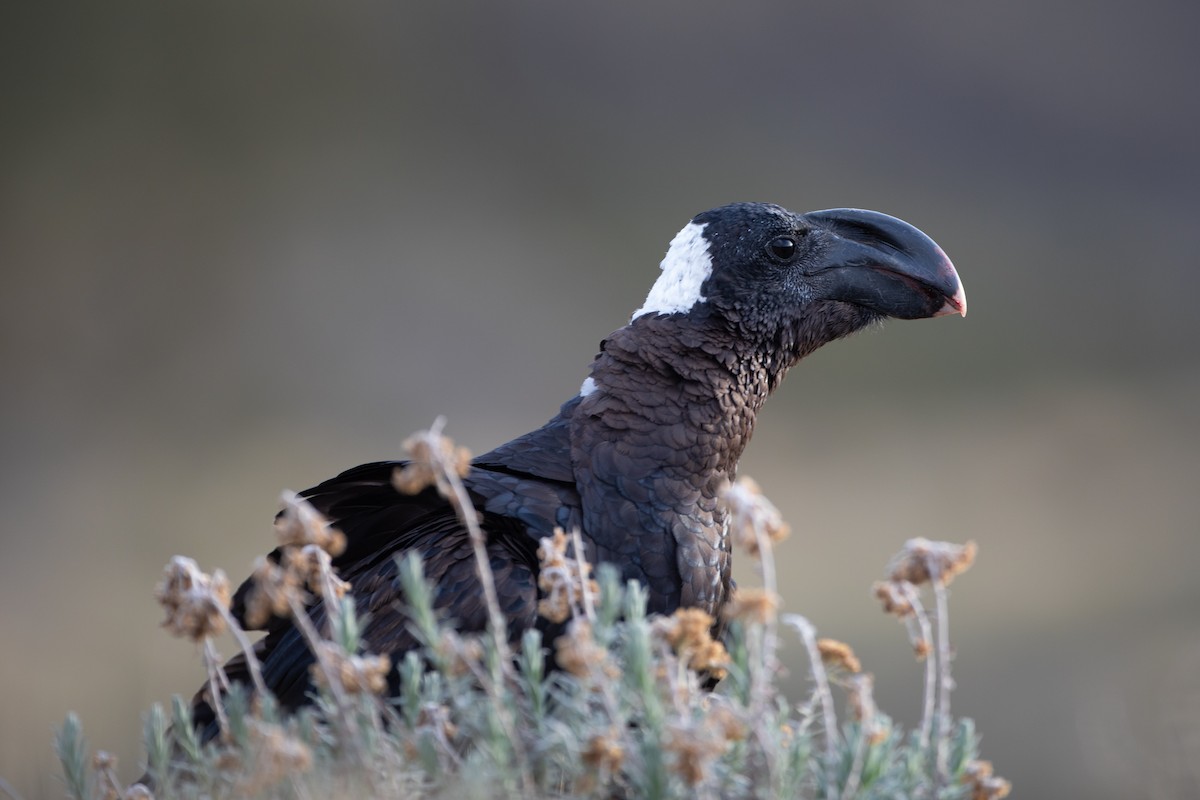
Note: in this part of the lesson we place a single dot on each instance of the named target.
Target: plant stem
(247, 650)
(465, 509)
(808, 634)
(931, 663)
(945, 681)
(218, 682)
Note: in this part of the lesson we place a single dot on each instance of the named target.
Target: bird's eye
(782, 247)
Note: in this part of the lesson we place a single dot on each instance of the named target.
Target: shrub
(628, 714)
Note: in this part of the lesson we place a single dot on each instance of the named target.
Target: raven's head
(802, 279)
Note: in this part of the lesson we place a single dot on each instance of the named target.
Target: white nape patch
(685, 268)
(588, 387)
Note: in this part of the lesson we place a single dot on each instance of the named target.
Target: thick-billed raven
(636, 460)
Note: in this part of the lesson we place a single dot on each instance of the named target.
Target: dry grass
(626, 716)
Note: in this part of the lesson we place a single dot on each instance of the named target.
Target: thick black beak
(885, 264)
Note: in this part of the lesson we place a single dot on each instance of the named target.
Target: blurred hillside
(245, 247)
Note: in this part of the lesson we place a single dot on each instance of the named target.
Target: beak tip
(956, 304)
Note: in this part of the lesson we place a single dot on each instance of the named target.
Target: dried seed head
(366, 674)
(432, 456)
(752, 515)
(560, 578)
(104, 764)
(308, 545)
(896, 597)
(363, 674)
(686, 629)
(273, 590)
(694, 750)
(578, 653)
(604, 753)
(285, 752)
(277, 755)
(752, 605)
(922, 561)
(921, 649)
(575, 650)
(838, 655)
(461, 654)
(731, 726)
(689, 633)
(435, 718)
(195, 602)
(555, 608)
(984, 785)
(300, 524)
(552, 550)
(313, 567)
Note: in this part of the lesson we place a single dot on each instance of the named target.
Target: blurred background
(246, 246)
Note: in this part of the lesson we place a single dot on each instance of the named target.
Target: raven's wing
(381, 524)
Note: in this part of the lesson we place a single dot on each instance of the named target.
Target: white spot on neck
(685, 268)
(589, 386)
